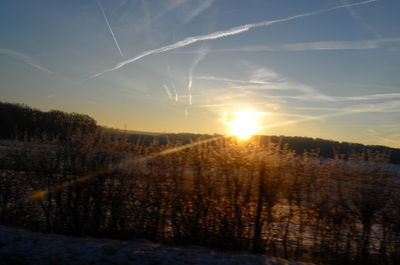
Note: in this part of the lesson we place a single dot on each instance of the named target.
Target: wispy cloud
(204, 5)
(171, 5)
(109, 27)
(325, 45)
(230, 80)
(361, 21)
(297, 118)
(311, 46)
(200, 8)
(367, 97)
(305, 119)
(200, 55)
(381, 96)
(147, 20)
(327, 98)
(266, 85)
(389, 140)
(391, 106)
(222, 34)
(176, 95)
(172, 83)
(263, 79)
(168, 92)
(242, 84)
(25, 58)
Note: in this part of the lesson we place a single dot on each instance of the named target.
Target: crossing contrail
(109, 27)
(221, 34)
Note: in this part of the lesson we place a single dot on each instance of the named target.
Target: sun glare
(244, 125)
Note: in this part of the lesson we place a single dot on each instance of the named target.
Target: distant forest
(21, 122)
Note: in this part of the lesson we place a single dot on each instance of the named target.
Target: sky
(317, 68)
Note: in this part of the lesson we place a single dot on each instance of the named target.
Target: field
(215, 192)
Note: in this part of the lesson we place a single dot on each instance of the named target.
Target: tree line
(21, 122)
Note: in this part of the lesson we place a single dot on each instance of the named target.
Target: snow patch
(23, 247)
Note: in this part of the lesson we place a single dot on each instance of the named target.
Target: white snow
(23, 247)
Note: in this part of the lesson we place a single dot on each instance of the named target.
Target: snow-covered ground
(23, 247)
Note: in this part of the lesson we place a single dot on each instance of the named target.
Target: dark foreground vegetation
(250, 196)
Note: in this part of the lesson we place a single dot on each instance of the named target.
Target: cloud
(310, 118)
(200, 55)
(204, 5)
(223, 79)
(220, 34)
(265, 85)
(381, 96)
(176, 97)
(172, 4)
(25, 58)
(327, 45)
(390, 140)
(361, 21)
(263, 74)
(392, 106)
(262, 79)
(311, 46)
(147, 20)
(270, 80)
(168, 92)
(109, 27)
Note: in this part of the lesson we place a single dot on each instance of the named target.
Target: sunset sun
(244, 125)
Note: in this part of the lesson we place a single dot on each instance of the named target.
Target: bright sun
(244, 125)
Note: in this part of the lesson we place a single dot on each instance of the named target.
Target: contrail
(361, 21)
(200, 55)
(25, 58)
(109, 27)
(172, 83)
(176, 95)
(168, 92)
(221, 34)
(204, 5)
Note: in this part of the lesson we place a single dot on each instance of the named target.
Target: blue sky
(317, 68)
